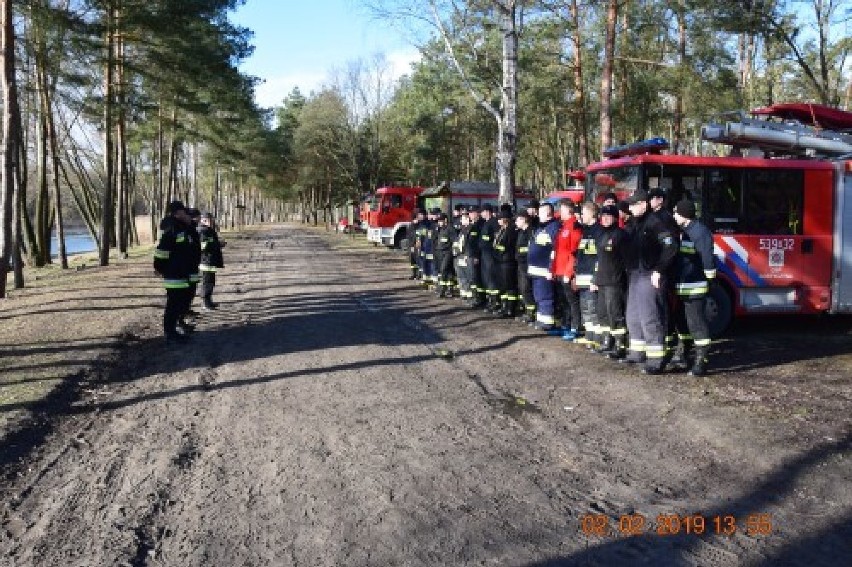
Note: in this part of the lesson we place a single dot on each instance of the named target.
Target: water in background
(75, 243)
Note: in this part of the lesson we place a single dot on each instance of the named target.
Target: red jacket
(565, 248)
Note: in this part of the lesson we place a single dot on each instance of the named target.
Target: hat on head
(458, 207)
(638, 196)
(193, 212)
(534, 204)
(609, 210)
(488, 207)
(419, 211)
(473, 209)
(656, 193)
(442, 216)
(523, 214)
(435, 211)
(176, 206)
(686, 209)
(208, 216)
(506, 214)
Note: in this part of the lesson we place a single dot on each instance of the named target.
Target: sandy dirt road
(331, 414)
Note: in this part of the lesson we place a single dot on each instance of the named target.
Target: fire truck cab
(391, 210)
(779, 205)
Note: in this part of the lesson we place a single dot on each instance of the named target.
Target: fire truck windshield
(622, 181)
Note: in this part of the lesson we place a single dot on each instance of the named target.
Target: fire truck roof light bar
(650, 146)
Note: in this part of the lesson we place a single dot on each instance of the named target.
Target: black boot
(682, 354)
(509, 309)
(620, 349)
(699, 367)
(607, 344)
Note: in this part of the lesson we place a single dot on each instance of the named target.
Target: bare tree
(10, 137)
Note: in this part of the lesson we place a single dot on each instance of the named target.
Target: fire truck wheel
(719, 309)
(398, 238)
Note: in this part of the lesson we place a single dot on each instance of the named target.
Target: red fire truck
(391, 209)
(780, 206)
(451, 193)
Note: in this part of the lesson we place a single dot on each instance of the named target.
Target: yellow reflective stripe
(584, 279)
(710, 274)
(206, 268)
(542, 239)
(175, 284)
(702, 342)
(655, 351)
(546, 319)
(485, 237)
(499, 248)
(524, 249)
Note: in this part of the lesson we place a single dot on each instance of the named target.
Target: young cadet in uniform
(695, 267)
(587, 255)
(195, 277)
(540, 259)
(444, 256)
(487, 262)
(532, 213)
(476, 286)
(505, 244)
(413, 254)
(650, 253)
(610, 281)
(174, 260)
(565, 253)
(211, 259)
(462, 254)
(522, 223)
(656, 202)
(426, 252)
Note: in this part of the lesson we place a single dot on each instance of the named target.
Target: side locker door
(841, 285)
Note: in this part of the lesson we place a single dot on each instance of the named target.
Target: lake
(75, 243)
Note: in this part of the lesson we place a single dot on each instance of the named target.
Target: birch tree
(9, 148)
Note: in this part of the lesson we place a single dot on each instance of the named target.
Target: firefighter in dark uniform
(462, 257)
(456, 220)
(505, 245)
(522, 248)
(444, 236)
(175, 260)
(487, 261)
(425, 244)
(650, 252)
(656, 202)
(413, 253)
(584, 268)
(195, 277)
(540, 260)
(476, 285)
(211, 259)
(532, 213)
(610, 280)
(695, 268)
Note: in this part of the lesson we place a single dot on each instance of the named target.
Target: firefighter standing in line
(610, 280)
(195, 276)
(505, 244)
(695, 267)
(651, 250)
(656, 202)
(174, 260)
(587, 255)
(426, 253)
(487, 261)
(532, 214)
(211, 259)
(522, 223)
(540, 259)
(444, 236)
(413, 253)
(565, 253)
(462, 254)
(476, 285)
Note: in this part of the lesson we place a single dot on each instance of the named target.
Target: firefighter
(487, 261)
(532, 214)
(505, 244)
(195, 276)
(475, 245)
(610, 280)
(444, 256)
(656, 202)
(211, 259)
(413, 252)
(463, 257)
(650, 252)
(457, 211)
(540, 260)
(522, 223)
(426, 253)
(565, 253)
(174, 260)
(587, 255)
(695, 268)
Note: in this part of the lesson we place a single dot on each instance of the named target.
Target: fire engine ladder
(787, 137)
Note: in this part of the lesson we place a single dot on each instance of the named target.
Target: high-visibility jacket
(175, 257)
(540, 254)
(587, 256)
(695, 265)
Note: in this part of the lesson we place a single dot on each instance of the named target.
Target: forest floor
(330, 413)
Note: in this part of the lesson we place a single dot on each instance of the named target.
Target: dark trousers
(463, 272)
(208, 282)
(446, 274)
(611, 309)
(569, 303)
(647, 315)
(489, 274)
(525, 288)
(508, 284)
(476, 285)
(691, 320)
(543, 291)
(589, 309)
(175, 309)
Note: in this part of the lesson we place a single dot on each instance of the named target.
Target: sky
(300, 42)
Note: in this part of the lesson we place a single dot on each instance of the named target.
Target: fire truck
(393, 207)
(779, 205)
(575, 192)
(391, 210)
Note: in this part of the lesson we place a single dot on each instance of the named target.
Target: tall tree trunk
(9, 149)
(606, 74)
(108, 194)
(677, 127)
(42, 204)
(507, 123)
(122, 224)
(579, 92)
(53, 142)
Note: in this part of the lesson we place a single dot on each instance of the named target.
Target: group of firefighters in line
(629, 280)
(188, 252)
